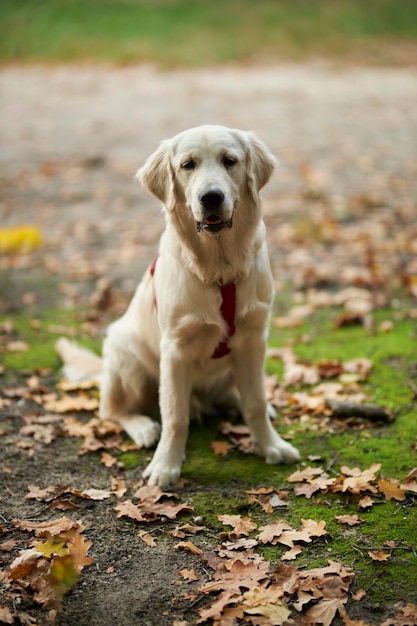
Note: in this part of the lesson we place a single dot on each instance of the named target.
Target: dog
(193, 338)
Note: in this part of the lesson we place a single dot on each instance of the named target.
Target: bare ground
(340, 210)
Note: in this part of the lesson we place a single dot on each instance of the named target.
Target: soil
(72, 138)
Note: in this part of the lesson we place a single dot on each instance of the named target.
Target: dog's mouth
(213, 224)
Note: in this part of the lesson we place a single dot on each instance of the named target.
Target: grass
(194, 32)
(217, 485)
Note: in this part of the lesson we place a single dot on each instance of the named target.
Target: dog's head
(211, 170)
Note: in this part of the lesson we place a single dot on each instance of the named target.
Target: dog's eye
(228, 162)
(188, 165)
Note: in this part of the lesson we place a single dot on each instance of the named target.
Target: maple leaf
(148, 538)
(188, 574)
(62, 526)
(128, 509)
(241, 526)
(325, 610)
(379, 555)
(189, 546)
(78, 548)
(118, 486)
(61, 577)
(220, 448)
(365, 502)
(238, 575)
(351, 520)
(315, 529)
(186, 529)
(289, 536)
(215, 610)
(108, 459)
(358, 481)
(271, 532)
(36, 493)
(291, 554)
(391, 490)
(51, 547)
(68, 404)
(306, 474)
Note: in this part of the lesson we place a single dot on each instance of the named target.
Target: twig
(346, 409)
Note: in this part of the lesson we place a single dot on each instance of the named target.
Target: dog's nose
(212, 199)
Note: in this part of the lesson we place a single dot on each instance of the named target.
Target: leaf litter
(247, 589)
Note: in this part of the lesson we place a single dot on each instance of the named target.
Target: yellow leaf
(21, 239)
(50, 547)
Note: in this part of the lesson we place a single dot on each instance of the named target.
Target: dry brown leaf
(391, 489)
(108, 459)
(325, 611)
(242, 526)
(351, 520)
(271, 532)
(379, 555)
(290, 555)
(36, 493)
(306, 474)
(62, 526)
(78, 548)
(365, 502)
(7, 546)
(6, 616)
(189, 546)
(220, 448)
(118, 486)
(147, 537)
(188, 574)
(69, 404)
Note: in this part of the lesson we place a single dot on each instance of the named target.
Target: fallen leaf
(78, 548)
(118, 486)
(290, 555)
(220, 448)
(6, 616)
(379, 555)
(62, 526)
(391, 490)
(351, 520)
(188, 574)
(241, 526)
(189, 546)
(147, 537)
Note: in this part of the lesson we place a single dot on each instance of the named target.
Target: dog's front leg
(174, 399)
(249, 376)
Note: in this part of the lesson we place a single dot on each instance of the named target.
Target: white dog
(194, 335)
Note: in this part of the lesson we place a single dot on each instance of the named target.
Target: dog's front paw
(283, 452)
(161, 474)
(142, 429)
(276, 450)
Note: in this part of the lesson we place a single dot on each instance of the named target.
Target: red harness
(227, 309)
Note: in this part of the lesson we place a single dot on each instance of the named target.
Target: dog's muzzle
(213, 222)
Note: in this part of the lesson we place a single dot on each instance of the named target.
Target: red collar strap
(227, 309)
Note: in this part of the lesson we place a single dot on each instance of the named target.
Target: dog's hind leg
(124, 405)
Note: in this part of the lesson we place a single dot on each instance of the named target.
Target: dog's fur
(208, 179)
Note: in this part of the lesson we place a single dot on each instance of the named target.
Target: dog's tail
(80, 364)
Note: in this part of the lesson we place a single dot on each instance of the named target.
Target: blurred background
(89, 88)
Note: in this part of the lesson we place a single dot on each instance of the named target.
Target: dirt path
(72, 137)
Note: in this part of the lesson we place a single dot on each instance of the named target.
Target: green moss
(216, 485)
(40, 332)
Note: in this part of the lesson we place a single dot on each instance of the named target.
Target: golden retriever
(194, 335)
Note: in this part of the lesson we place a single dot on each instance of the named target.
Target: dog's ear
(157, 176)
(260, 164)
